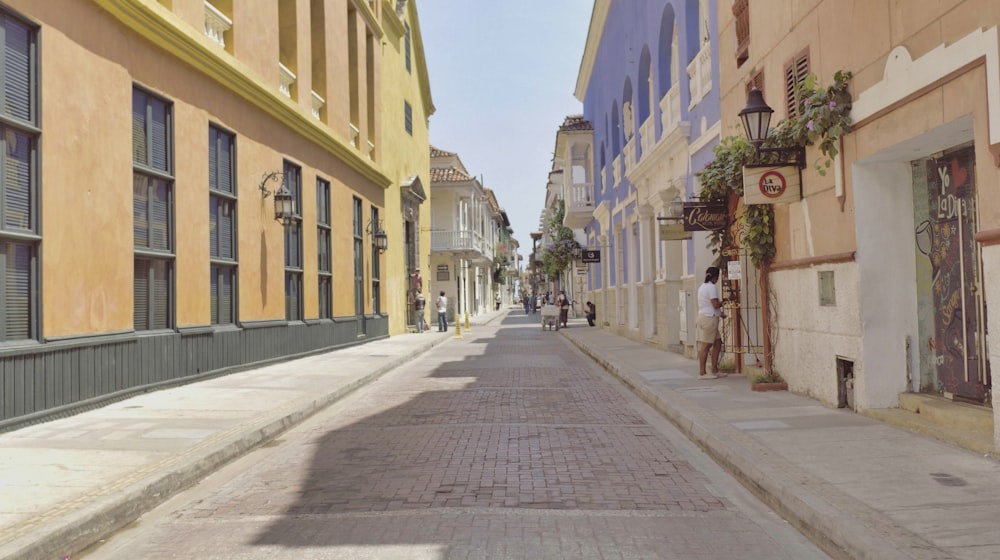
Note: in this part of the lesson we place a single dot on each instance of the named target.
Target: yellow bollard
(467, 326)
(458, 329)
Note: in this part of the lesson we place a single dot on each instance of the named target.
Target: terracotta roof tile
(448, 175)
(440, 153)
(574, 123)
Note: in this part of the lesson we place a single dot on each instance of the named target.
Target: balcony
(647, 135)
(286, 79)
(741, 13)
(700, 75)
(629, 153)
(670, 110)
(579, 205)
(216, 25)
(466, 244)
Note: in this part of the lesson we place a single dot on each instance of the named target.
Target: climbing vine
(558, 254)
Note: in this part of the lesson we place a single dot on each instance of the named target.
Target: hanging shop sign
(705, 216)
(771, 184)
(590, 255)
(673, 231)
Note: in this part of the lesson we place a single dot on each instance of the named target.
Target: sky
(502, 76)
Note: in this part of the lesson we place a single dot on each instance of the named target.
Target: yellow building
(146, 144)
(885, 266)
(406, 107)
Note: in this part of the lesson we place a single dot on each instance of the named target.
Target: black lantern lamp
(284, 202)
(379, 236)
(756, 117)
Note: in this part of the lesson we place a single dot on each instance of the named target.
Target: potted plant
(767, 381)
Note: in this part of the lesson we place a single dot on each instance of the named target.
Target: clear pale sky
(502, 76)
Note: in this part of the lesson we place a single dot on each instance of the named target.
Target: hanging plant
(825, 117)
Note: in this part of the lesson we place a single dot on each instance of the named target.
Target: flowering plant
(558, 254)
(824, 117)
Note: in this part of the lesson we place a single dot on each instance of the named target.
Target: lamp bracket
(794, 155)
(278, 176)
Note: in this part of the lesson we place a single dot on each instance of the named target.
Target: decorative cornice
(160, 26)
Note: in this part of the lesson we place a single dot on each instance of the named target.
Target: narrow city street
(506, 443)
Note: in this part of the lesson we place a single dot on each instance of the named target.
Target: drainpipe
(765, 308)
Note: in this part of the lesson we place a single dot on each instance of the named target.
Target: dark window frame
(222, 193)
(408, 117)
(324, 242)
(292, 177)
(376, 276)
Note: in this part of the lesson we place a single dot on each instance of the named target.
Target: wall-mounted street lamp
(756, 117)
(284, 202)
(378, 234)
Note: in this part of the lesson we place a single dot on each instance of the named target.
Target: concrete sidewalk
(858, 487)
(67, 483)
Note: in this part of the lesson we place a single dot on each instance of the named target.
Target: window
(376, 266)
(406, 45)
(358, 229)
(152, 211)
(19, 188)
(756, 82)
(408, 117)
(795, 73)
(323, 244)
(741, 12)
(222, 225)
(293, 246)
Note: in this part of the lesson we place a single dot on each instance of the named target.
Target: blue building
(648, 82)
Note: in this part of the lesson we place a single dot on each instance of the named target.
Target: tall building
(147, 144)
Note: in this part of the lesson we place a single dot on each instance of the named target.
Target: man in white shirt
(709, 335)
(442, 307)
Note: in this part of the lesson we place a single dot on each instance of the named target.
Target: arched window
(646, 96)
(666, 54)
(628, 111)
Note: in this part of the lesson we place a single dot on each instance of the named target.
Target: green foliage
(560, 253)
(767, 377)
(825, 117)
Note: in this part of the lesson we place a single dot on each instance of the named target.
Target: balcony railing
(581, 197)
(317, 104)
(216, 25)
(286, 78)
(670, 109)
(459, 240)
(647, 135)
(741, 13)
(700, 75)
(629, 153)
(355, 133)
(616, 168)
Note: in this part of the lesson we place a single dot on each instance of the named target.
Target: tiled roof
(575, 122)
(448, 175)
(440, 153)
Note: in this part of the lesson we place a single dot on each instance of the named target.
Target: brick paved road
(505, 444)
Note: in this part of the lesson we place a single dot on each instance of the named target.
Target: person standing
(418, 307)
(442, 305)
(563, 301)
(709, 314)
(591, 313)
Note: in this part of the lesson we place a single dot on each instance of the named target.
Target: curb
(839, 524)
(73, 528)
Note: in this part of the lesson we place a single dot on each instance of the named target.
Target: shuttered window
(795, 73)
(152, 211)
(19, 189)
(408, 117)
(324, 249)
(222, 222)
(293, 245)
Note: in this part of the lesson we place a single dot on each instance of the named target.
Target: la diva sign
(771, 184)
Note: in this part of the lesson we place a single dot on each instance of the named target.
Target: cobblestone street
(508, 443)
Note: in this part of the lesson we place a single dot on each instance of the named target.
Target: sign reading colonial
(705, 216)
(591, 255)
(771, 185)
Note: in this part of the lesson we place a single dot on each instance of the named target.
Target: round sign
(772, 184)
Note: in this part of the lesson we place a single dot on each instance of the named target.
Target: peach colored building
(146, 144)
(885, 268)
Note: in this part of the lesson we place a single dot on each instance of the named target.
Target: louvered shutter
(140, 152)
(140, 294)
(159, 136)
(795, 73)
(17, 291)
(159, 220)
(17, 180)
(226, 296)
(140, 210)
(213, 159)
(160, 294)
(215, 272)
(17, 70)
(226, 225)
(213, 226)
(225, 163)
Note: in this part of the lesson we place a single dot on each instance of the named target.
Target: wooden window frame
(795, 72)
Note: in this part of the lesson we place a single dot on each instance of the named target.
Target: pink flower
(809, 125)
(833, 104)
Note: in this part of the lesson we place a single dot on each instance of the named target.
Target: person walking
(709, 314)
(442, 305)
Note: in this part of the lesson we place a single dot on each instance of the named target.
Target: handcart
(550, 317)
